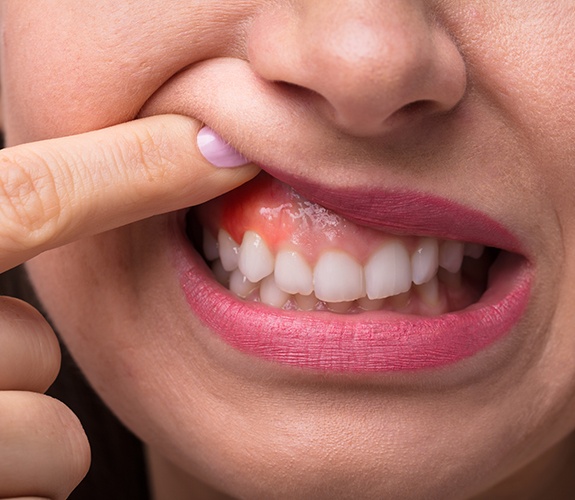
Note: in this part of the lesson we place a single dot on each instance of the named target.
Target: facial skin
(325, 90)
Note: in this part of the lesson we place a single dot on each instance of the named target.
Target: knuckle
(30, 204)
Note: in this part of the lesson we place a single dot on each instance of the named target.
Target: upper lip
(404, 212)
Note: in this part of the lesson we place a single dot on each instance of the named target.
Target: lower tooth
(340, 307)
(270, 294)
(401, 301)
(240, 285)
(222, 276)
(306, 302)
(370, 304)
(453, 280)
(429, 292)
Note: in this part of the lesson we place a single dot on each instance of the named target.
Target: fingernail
(218, 152)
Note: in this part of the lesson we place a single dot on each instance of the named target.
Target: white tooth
(271, 295)
(388, 271)
(370, 305)
(451, 255)
(229, 250)
(240, 285)
(222, 276)
(424, 261)
(337, 277)
(474, 250)
(429, 292)
(256, 260)
(292, 273)
(306, 302)
(210, 246)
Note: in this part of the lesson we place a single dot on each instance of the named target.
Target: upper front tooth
(338, 277)
(292, 273)
(388, 271)
(451, 255)
(229, 250)
(256, 260)
(424, 261)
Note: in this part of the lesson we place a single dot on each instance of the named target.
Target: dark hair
(118, 470)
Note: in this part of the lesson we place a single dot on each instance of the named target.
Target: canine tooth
(222, 276)
(229, 250)
(338, 277)
(474, 250)
(292, 273)
(210, 246)
(240, 285)
(369, 304)
(270, 294)
(256, 260)
(451, 255)
(424, 261)
(388, 271)
(429, 292)
(306, 302)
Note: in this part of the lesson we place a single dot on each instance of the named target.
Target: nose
(364, 64)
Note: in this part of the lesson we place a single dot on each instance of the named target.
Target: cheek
(82, 68)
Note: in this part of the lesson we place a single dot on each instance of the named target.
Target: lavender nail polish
(218, 152)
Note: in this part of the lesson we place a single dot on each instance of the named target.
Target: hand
(51, 193)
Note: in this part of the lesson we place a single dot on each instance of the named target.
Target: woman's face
(431, 118)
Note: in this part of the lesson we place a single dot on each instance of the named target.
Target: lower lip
(370, 342)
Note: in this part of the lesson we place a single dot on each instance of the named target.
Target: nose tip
(363, 63)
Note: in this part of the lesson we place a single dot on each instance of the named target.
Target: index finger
(56, 191)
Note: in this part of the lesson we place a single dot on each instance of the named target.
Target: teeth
(210, 246)
(370, 305)
(451, 255)
(306, 302)
(240, 285)
(229, 250)
(388, 271)
(429, 292)
(256, 260)
(292, 273)
(390, 279)
(222, 276)
(424, 261)
(474, 250)
(338, 277)
(340, 307)
(271, 295)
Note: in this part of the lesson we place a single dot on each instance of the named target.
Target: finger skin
(29, 350)
(44, 451)
(56, 191)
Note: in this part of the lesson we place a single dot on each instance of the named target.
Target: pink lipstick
(369, 341)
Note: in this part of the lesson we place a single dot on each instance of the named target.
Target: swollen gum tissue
(285, 219)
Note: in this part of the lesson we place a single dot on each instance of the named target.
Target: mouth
(350, 282)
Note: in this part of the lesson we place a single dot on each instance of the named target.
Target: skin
(339, 80)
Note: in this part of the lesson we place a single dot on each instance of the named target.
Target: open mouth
(265, 243)
(287, 279)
